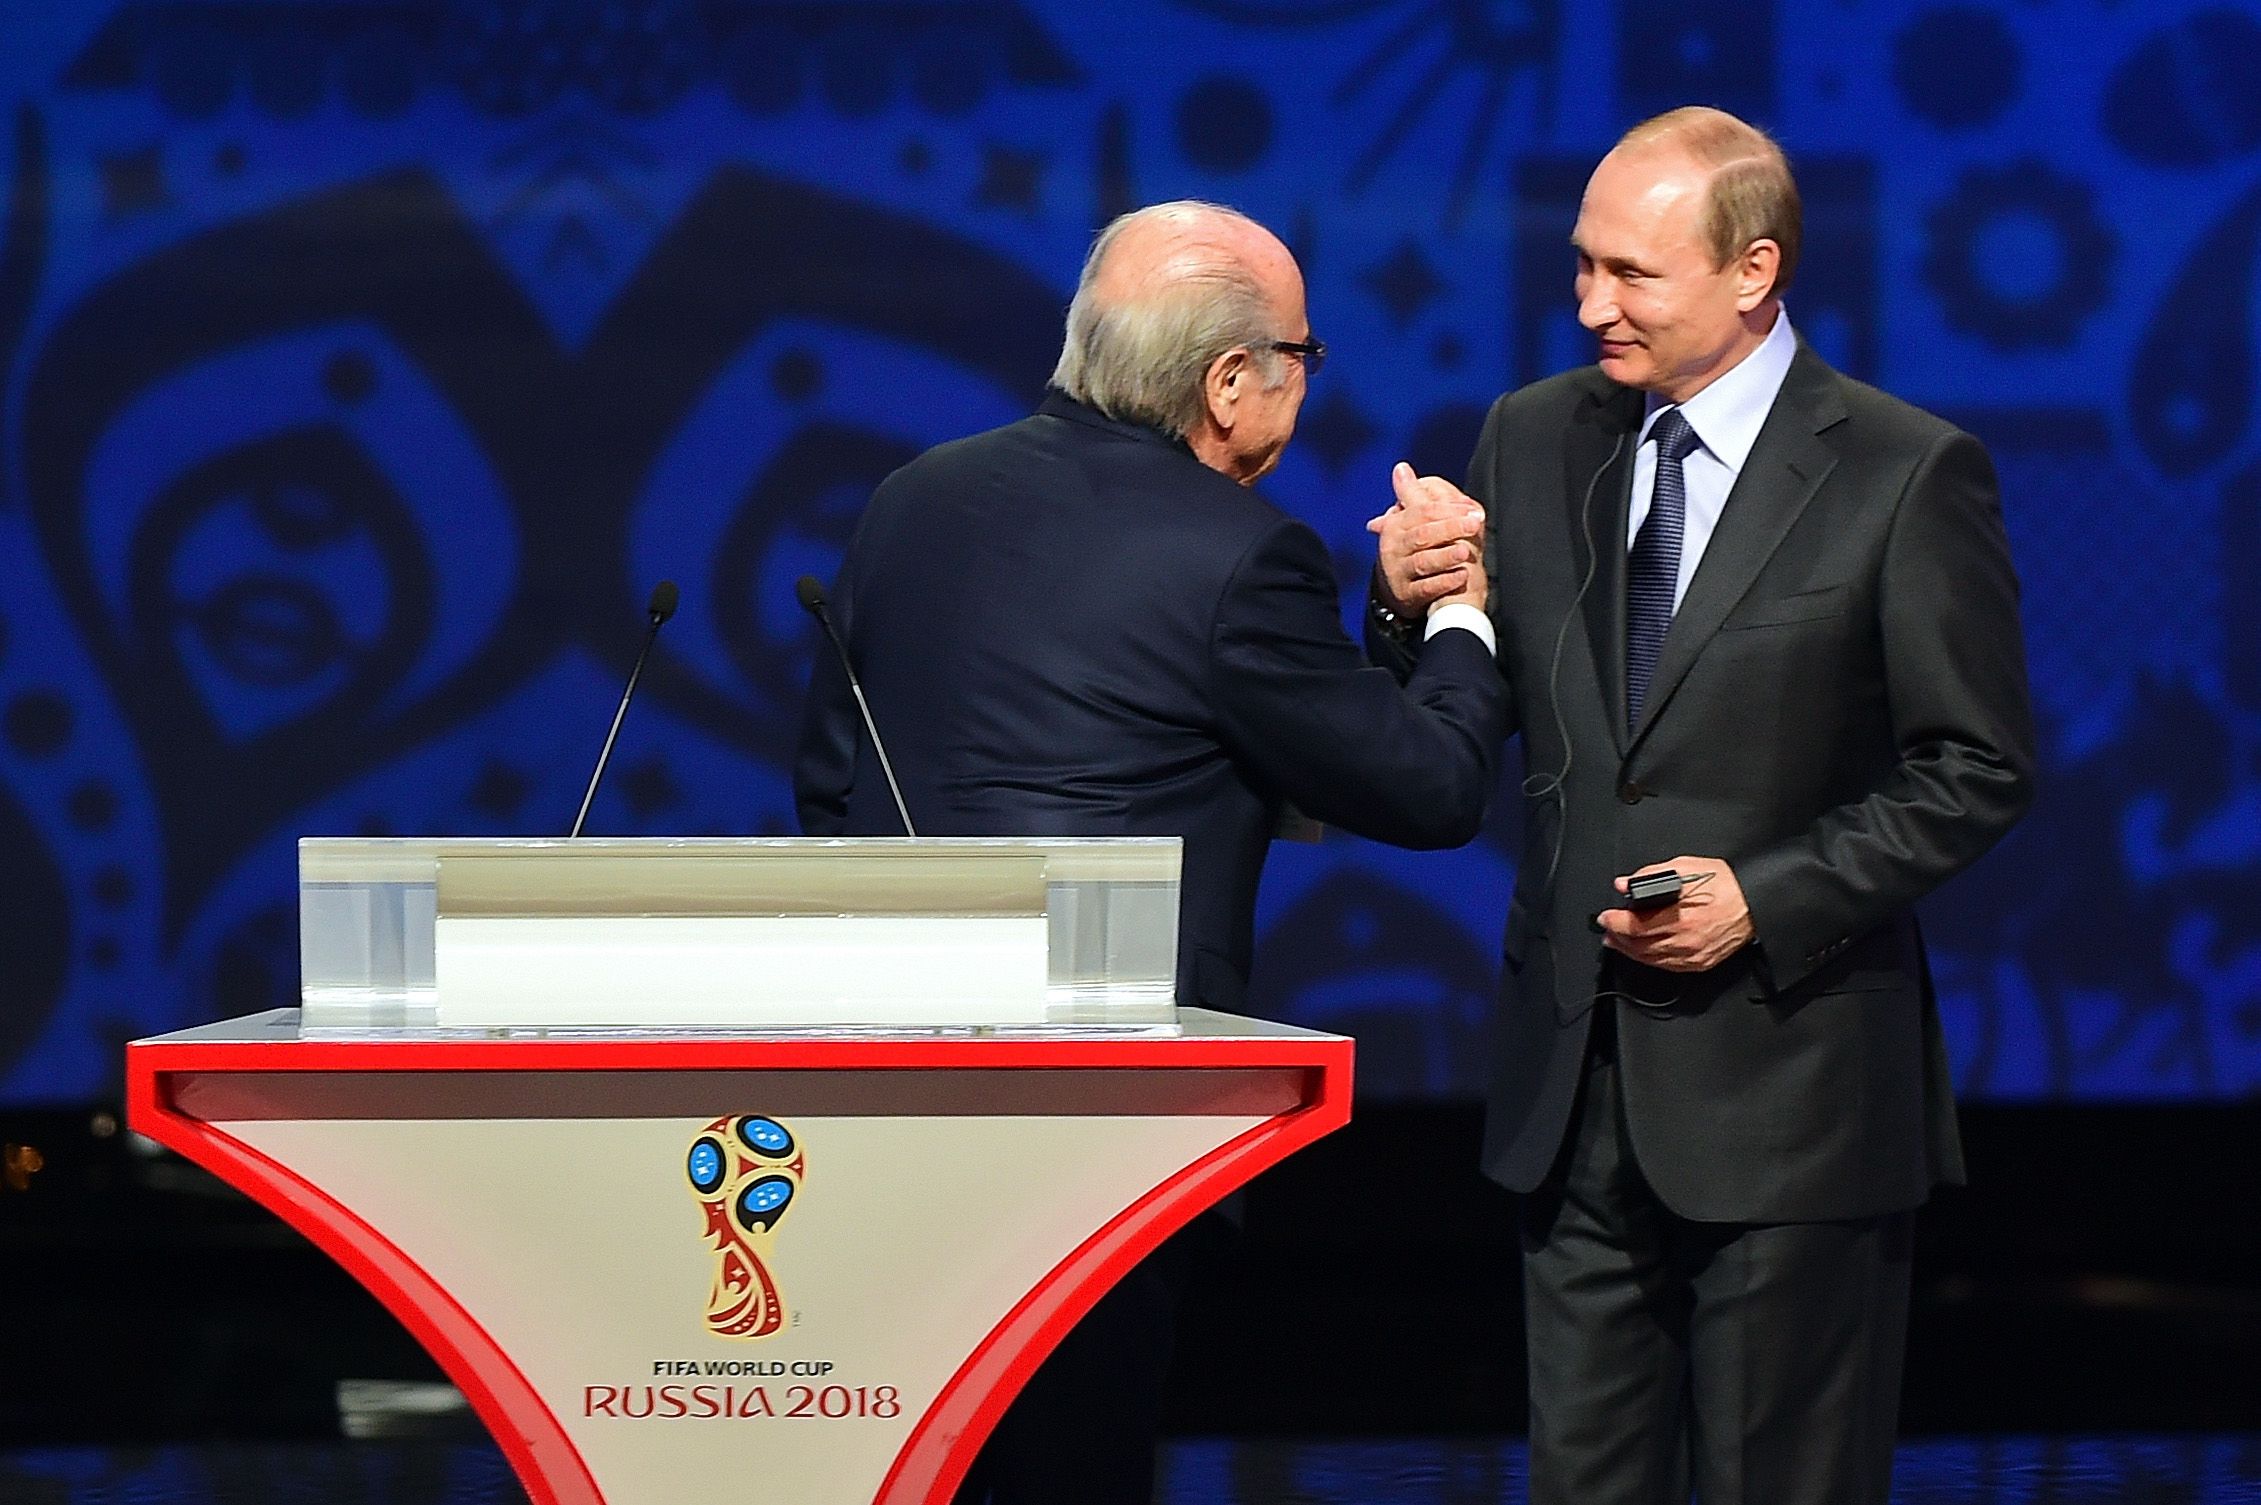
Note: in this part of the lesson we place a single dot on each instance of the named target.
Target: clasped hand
(1432, 549)
(1431, 552)
(1707, 924)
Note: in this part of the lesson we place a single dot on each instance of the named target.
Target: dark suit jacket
(1071, 627)
(1839, 711)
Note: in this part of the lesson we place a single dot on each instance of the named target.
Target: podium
(667, 1259)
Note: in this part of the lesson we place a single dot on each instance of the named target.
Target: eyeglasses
(1312, 352)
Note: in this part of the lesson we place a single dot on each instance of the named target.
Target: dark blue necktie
(1653, 571)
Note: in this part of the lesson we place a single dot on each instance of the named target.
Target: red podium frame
(185, 1089)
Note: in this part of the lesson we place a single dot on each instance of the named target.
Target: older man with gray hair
(1087, 624)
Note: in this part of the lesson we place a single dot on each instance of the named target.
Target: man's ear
(1228, 376)
(1755, 274)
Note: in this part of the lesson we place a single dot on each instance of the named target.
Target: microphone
(811, 595)
(656, 611)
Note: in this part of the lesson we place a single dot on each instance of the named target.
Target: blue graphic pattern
(363, 362)
(706, 1165)
(766, 1135)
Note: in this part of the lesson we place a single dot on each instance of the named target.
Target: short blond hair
(1751, 196)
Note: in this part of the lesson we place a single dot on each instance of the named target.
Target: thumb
(1404, 483)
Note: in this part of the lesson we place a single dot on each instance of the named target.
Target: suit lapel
(1599, 450)
(1786, 466)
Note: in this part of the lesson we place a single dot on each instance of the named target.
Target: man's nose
(1597, 310)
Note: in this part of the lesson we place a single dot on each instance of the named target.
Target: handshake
(1431, 555)
(1432, 546)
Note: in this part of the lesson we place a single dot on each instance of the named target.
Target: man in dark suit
(1760, 627)
(1087, 624)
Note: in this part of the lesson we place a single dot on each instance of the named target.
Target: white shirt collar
(1728, 414)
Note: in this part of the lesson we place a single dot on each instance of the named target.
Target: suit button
(1631, 793)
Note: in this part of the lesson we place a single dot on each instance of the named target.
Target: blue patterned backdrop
(363, 362)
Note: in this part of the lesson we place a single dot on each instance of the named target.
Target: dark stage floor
(1465, 1471)
(2087, 1331)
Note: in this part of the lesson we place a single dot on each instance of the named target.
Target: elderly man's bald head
(1157, 253)
(1165, 292)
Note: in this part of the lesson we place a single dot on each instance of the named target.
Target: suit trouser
(1758, 1364)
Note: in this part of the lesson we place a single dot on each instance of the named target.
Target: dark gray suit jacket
(1839, 711)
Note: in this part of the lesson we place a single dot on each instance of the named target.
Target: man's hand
(1432, 548)
(1706, 925)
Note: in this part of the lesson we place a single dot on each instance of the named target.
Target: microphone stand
(662, 607)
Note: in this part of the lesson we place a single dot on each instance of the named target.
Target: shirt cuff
(1460, 614)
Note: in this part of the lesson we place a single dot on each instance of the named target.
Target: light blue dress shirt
(1726, 416)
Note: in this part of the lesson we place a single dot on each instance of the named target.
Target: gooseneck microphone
(811, 594)
(656, 611)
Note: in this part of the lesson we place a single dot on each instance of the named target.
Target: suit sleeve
(1408, 764)
(1954, 663)
(824, 766)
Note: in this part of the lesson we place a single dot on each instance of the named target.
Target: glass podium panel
(441, 935)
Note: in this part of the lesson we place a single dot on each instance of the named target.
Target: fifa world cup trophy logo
(744, 1172)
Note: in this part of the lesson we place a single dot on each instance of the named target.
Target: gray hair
(1145, 358)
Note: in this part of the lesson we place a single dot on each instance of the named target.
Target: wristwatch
(1401, 628)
